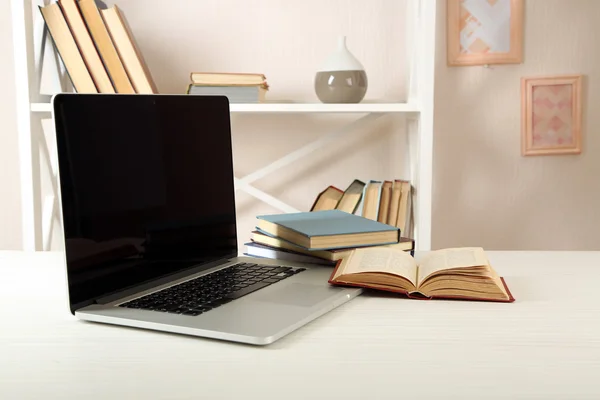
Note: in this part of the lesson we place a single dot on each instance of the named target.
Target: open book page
(382, 259)
(451, 258)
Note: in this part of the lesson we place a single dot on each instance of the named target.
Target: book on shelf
(396, 193)
(329, 229)
(227, 78)
(128, 50)
(97, 48)
(106, 48)
(352, 196)
(384, 202)
(371, 199)
(235, 94)
(86, 46)
(456, 273)
(67, 49)
(404, 206)
(328, 199)
(332, 255)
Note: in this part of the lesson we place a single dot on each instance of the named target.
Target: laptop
(149, 221)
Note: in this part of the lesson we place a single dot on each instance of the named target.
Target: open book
(459, 273)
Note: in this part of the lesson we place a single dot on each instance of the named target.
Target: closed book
(227, 78)
(106, 48)
(329, 229)
(384, 202)
(129, 52)
(86, 46)
(405, 244)
(66, 46)
(351, 197)
(263, 251)
(371, 200)
(328, 199)
(235, 94)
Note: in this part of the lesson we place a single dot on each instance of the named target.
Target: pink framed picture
(551, 115)
(484, 32)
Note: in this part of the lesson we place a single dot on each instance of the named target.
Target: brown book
(106, 48)
(129, 52)
(226, 78)
(66, 47)
(405, 244)
(403, 208)
(352, 196)
(384, 202)
(86, 46)
(392, 218)
(457, 273)
(328, 199)
(371, 200)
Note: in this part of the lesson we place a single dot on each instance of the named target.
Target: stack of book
(389, 202)
(237, 87)
(97, 48)
(320, 237)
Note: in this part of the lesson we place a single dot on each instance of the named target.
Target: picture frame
(551, 109)
(498, 40)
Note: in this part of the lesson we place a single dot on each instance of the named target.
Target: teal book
(328, 230)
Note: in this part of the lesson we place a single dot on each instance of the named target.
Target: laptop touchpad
(297, 294)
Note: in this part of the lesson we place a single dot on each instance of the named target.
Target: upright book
(105, 46)
(328, 199)
(128, 50)
(458, 273)
(66, 46)
(329, 229)
(351, 197)
(371, 199)
(86, 46)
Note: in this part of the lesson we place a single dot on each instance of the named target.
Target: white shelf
(323, 108)
(298, 108)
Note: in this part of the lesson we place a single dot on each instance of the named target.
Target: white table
(546, 345)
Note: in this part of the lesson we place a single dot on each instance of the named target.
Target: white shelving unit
(39, 210)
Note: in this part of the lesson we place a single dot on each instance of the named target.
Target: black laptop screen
(146, 188)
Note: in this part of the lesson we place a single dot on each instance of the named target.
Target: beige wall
(10, 206)
(485, 192)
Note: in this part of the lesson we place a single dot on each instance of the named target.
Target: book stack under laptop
(320, 237)
(237, 87)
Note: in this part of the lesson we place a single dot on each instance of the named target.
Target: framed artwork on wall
(482, 32)
(551, 115)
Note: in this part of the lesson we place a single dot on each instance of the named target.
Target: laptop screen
(146, 187)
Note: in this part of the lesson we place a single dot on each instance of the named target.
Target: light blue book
(328, 230)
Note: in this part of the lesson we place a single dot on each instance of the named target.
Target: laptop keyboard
(206, 292)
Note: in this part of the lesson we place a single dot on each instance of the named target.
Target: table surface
(546, 345)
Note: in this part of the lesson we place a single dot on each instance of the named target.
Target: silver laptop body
(141, 251)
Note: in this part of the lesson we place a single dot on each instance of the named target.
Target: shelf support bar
(265, 197)
(308, 149)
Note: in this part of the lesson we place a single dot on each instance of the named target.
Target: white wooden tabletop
(546, 345)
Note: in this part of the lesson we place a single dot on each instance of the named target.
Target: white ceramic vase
(342, 79)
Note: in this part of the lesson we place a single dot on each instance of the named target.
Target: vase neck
(342, 43)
